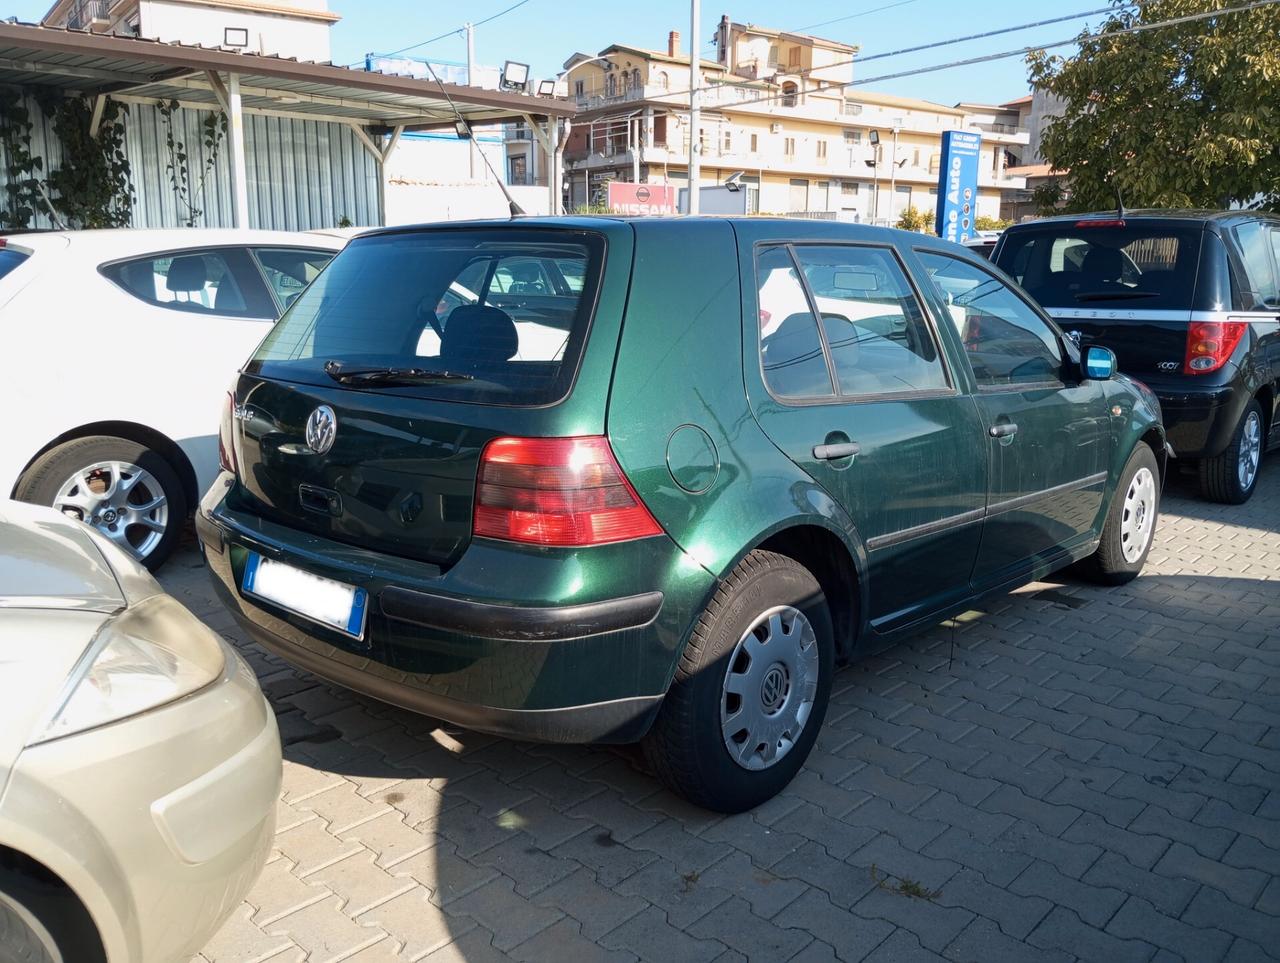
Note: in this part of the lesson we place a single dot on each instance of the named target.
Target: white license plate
(335, 604)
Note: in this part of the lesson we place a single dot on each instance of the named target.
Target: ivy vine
(23, 191)
(92, 187)
(213, 129)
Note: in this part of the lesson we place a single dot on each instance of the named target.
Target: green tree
(985, 222)
(914, 219)
(1178, 116)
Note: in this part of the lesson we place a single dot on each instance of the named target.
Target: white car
(119, 347)
(139, 761)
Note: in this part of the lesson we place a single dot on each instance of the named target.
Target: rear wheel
(1130, 526)
(42, 922)
(1231, 477)
(751, 689)
(127, 491)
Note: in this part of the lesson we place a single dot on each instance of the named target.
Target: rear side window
(509, 309)
(1257, 253)
(1136, 266)
(223, 282)
(10, 259)
(790, 347)
(289, 270)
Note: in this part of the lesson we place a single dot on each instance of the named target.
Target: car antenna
(464, 132)
(1119, 202)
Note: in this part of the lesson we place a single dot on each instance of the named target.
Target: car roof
(1181, 216)
(118, 242)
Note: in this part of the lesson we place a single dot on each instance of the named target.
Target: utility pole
(695, 113)
(893, 174)
(471, 79)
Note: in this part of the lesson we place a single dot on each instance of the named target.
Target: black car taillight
(1210, 344)
(226, 446)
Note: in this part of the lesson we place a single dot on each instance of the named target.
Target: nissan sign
(624, 198)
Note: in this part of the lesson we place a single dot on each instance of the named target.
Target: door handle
(1003, 430)
(832, 452)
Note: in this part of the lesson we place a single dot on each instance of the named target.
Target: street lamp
(515, 76)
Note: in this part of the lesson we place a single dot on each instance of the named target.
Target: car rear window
(1135, 266)
(507, 307)
(10, 259)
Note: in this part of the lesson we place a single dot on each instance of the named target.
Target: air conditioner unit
(775, 128)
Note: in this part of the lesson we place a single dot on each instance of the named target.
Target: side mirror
(1099, 363)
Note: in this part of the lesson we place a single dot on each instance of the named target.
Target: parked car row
(574, 480)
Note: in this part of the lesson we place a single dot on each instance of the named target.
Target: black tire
(1109, 565)
(41, 483)
(1220, 476)
(686, 748)
(41, 921)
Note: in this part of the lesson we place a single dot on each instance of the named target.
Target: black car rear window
(1136, 266)
(10, 259)
(507, 307)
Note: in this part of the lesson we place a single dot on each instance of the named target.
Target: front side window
(223, 282)
(289, 270)
(879, 339)
(1006, 342)
(10, 259)
(790, 348)
(507, 309)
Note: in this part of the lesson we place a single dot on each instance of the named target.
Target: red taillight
(1210, 344)
(557, 491)
(226, 449)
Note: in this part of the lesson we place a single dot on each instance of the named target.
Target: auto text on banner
(625, 198)
(958, 185)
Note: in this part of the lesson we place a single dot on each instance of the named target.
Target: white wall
(443, 159)
(420, 203)
(268, 33)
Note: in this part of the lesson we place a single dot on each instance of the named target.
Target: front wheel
(127, 491)
(1130, 526)
(1231, 477)
(43, 923)
(751, 689)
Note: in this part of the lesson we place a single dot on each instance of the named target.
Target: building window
(852, 138)
(755, 143)
(611, 86)
(822, 150)
(789, 147)
(849, 188)
(852, 109)
(793, 57)
(789, 91)
(636, 82)
(935, 162)
(579, 88)
(773, 55)
(915, 157)
(661, 78)
(727, 142)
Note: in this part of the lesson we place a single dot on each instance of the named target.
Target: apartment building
(287, 28)
(779, 117)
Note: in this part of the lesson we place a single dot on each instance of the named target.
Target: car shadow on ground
(1046, 699)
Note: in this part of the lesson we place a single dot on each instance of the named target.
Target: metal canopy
(108, 64)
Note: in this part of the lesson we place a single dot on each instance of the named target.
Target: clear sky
(544, 33)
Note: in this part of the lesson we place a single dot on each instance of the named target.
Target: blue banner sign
(958, 185)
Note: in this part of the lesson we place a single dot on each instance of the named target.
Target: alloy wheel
(769, 688)
(1139, 518)
(1250, 451)
(122, 501)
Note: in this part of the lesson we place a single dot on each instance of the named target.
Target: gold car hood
(48, 561)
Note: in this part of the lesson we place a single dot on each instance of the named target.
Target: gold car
(139, 761)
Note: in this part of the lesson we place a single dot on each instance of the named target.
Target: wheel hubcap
(1138, 520)
(1250, 450)
(122, 501)
(769, 688)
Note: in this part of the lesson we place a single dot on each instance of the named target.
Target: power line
(451, 33)
(1021, 51)
(852, 16)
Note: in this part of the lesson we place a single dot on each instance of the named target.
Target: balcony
(89, 15)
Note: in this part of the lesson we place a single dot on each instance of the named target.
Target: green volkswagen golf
(606, 480)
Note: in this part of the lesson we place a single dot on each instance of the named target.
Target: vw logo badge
(322, 427)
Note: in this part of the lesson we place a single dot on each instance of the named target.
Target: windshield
(505, 309)
(1135, 266)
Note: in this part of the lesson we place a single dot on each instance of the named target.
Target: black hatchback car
(1189, 301)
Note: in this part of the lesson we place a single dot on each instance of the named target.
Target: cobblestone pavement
(1094, 774)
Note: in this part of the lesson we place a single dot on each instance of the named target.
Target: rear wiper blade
(389, 376)
(1115, 295)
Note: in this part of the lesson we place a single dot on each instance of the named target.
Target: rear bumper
(1198, 421)
(482, 645)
